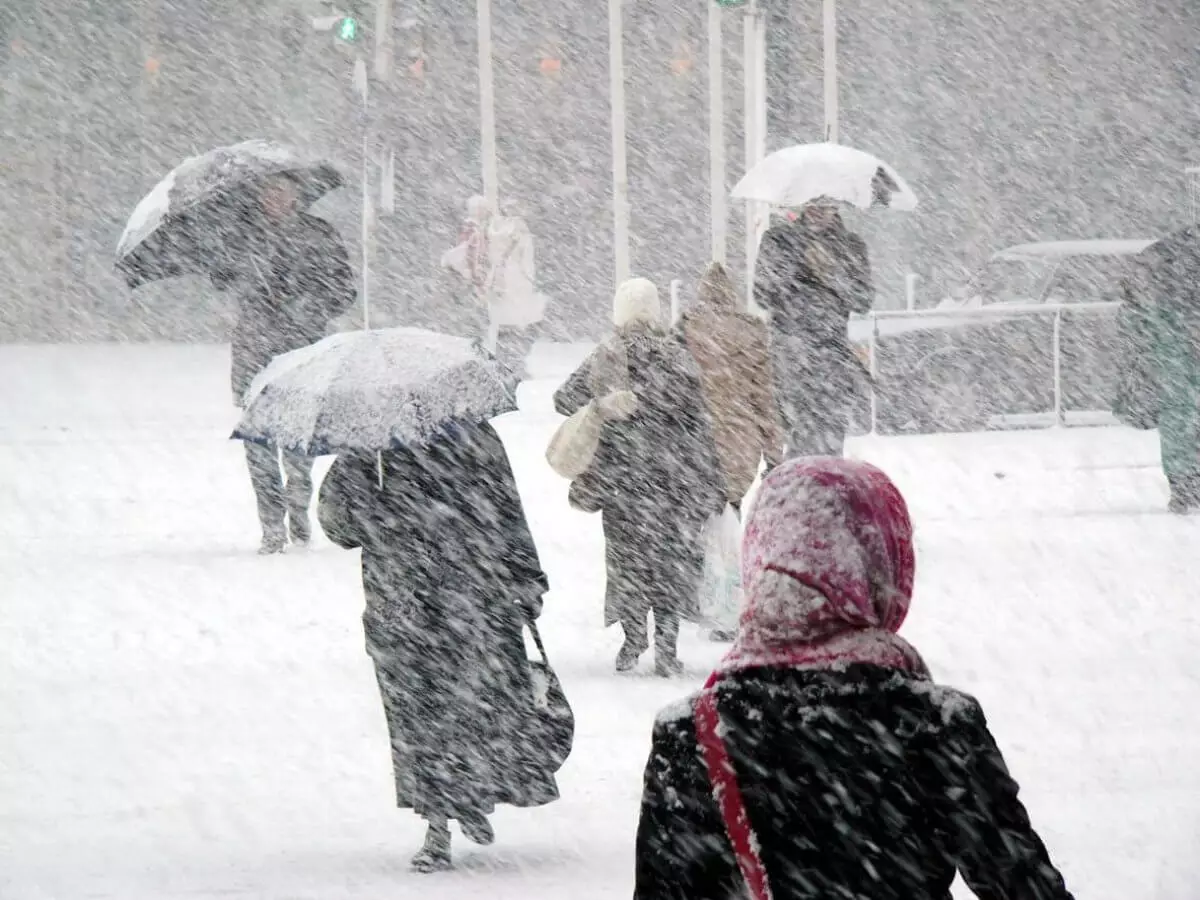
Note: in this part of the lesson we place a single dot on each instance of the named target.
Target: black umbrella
(181, 226)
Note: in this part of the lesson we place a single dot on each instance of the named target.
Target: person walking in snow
(821, 760)
(451, 576)
(292, 277)
(1160, 353)
(811, 275)
(730, 347)
(496, 254)
(655, 476)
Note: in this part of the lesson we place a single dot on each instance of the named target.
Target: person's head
(827, 553)
(717, 289)
(280, 198)
(477, 209)
(821, 214)
(636, 306)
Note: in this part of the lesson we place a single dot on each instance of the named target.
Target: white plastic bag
(721, 588)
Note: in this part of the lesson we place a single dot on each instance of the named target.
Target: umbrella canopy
(180, 226)
(798, 175)
(374, 390)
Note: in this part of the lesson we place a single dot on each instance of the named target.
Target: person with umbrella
(423, 486)
(237, 214)
(812, 274)
(292, 276)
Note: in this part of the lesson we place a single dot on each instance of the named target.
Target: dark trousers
(276, 497)
(512, 349)
(666, 633)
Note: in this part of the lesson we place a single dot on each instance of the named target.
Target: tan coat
(730, 349)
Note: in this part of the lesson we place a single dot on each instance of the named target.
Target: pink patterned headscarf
(828, 569)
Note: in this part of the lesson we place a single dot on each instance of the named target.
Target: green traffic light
(348, 29)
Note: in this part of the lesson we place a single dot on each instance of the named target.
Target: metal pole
(1058, 410)
(361, 81)
(616, 74)
(487, 107)
(383, 40)
(750, 120)
(873, 368)
(676, 300)
(716, 135)
(831, 74)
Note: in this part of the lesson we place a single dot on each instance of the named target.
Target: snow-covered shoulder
(953, 704)
(677, 711)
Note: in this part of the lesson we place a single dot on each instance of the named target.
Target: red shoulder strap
(729, 795)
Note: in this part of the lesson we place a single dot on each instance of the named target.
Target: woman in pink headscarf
(820, 760)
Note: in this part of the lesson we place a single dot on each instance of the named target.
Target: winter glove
(617, 406)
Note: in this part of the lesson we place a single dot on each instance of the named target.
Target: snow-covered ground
(180, 718)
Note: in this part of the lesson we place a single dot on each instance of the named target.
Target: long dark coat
(291, 280)
(447, 559)
(655, 477)
(810, 282)
(859, 783)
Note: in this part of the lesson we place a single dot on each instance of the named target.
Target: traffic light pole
(362, 82)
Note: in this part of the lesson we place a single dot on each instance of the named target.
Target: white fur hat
(636, 303)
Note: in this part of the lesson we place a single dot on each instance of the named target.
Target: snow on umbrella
(800, 174)
(178, 227)
(373, 391)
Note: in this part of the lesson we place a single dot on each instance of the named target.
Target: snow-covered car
(986, 357)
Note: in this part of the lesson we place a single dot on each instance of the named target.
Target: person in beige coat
(730, 347)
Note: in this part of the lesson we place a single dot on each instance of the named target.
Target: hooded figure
(820, 760)
(811, 275)
(655, 475)
(730, 348)
(451, 576)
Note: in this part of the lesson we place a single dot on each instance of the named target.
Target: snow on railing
(966, 314)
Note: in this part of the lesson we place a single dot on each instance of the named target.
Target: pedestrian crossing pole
(616, 75)
(831, 73)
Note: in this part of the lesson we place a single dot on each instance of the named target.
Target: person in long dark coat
(451, 577)
(811, 275)
(655, 477)
(821, 760)
(292, 277)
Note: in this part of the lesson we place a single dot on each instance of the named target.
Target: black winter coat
(858, 784)
(657, 479)
(810, 282)
(449, 566)
(292, 280)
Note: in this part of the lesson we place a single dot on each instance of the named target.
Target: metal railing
(955, 317)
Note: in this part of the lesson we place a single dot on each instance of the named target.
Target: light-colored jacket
(730, 349)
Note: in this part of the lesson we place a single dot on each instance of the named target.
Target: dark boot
(1185, 495)
(666, 638)
(477, 829)
(435, 855)
(299, 495)
(636, 643)
(267, 479)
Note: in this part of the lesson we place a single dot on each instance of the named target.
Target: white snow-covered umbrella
(202, 204)
(800, 174)
(373, 391)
